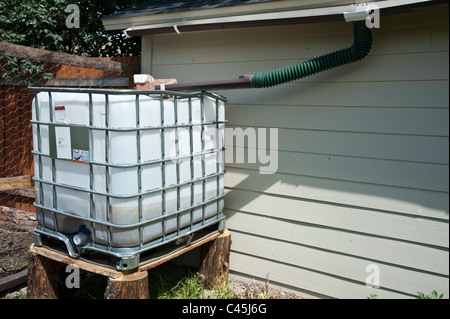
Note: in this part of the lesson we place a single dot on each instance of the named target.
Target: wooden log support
(47, 273)
(132, 286)
(45, 278)
(215, 261)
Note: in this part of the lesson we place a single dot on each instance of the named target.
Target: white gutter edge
(278, 15)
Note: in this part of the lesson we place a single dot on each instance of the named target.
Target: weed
(433, 295)
(164, 280)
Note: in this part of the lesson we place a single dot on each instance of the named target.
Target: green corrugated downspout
(357, 52)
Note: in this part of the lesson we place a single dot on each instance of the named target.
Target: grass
(164, 280)
(169, 281)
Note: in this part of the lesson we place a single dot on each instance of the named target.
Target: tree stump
(132, 286)
(215, 261)
(45, 278)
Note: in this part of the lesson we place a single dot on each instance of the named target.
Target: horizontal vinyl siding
(373, 171)
(382, 146)
(363, 154)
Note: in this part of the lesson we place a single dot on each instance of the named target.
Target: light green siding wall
(363, 154)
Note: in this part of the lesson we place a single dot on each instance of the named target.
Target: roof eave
(271, 18)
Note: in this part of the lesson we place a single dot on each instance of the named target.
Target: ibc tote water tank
(121, 171)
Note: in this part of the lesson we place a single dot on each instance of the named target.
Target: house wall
(362, 182)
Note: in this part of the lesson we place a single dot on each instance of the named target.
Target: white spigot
(82, 237)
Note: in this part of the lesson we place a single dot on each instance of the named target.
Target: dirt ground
(14, 245)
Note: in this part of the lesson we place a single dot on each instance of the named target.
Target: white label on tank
(60, 114)
(63, 144)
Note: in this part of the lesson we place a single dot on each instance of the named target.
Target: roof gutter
(263, 19)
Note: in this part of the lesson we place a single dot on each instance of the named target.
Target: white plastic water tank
(106, 160)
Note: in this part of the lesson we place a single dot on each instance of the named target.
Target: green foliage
(42, 24)
(32, 23)
(187, 288)
(164, 278)
(433, 295)
(91, 38)
(23, 68)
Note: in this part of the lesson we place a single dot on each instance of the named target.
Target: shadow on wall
(361, 157)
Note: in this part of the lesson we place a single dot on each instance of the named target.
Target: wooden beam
(87, 266)
(10, 183)
(67, 82)
(23, 192)
(88, 82)
(24, 52)
(13, 280)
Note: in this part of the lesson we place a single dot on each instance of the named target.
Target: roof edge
(330, 13)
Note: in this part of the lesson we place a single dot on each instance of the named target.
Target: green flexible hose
(357, 52)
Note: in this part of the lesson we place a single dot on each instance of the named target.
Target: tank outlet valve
(82, 237)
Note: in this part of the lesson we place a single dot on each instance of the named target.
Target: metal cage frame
(128, 257)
